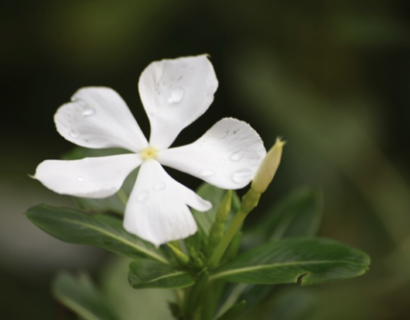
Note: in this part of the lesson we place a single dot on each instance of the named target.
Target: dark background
(331, 77)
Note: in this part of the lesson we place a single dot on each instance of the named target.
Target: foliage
(280, 249)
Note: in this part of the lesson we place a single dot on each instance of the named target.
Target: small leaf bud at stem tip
(268, 167)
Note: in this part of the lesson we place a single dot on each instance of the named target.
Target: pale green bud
(268, 167)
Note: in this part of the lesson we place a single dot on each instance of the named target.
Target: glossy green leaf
(215, 196)
(115, 203)
(308, 260)
(146, 273)
(80, 295)
(102, 231)
(297, 215)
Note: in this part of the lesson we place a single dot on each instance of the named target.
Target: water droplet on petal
(237, 155)
(206, 173)
(242, 175)
(176, 95)
(80, 179)
(88, 112)
(73, 134)
(223, 161)
(159, 186)
(143, 196)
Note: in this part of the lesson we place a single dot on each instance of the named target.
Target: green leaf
(297, 215)
(215, 196)
(115, 203)
(80, 295)
(151, 274)
(309, 260)
(102, 231)
(234, 311)
(252, 294)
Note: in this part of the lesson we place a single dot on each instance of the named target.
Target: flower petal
(89, 177)
(157, 209)
(174, 94)
(98, 117)
(227, 156)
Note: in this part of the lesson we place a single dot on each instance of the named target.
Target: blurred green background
(331, 77)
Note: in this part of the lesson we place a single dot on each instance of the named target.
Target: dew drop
(159, 186)
(242, 175)
(223, 161)
(207, 173)
(73, 134)
(80, 179)
(176, 95)
(237, 155)
(88, 112)
(143, 196)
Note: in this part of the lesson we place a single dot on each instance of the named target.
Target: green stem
(249, 202)
(227, 238)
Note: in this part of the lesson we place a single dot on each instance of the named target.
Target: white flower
(174, 94)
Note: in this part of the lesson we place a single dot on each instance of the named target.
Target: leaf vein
(267, 266)
(112, 235)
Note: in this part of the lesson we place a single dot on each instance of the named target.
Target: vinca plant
(129, 205)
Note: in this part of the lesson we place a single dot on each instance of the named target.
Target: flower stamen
(149, 153)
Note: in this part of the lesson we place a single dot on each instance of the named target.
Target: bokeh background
(331, 77)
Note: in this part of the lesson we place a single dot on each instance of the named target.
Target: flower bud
(268, 167)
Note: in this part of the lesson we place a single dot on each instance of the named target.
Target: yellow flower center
(149, 153)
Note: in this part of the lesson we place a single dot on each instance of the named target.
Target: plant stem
(249, 202)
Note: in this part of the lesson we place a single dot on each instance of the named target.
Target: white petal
(157, 208)
(89, 177)
(98, 117)
(227, 156)
(174, 94)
